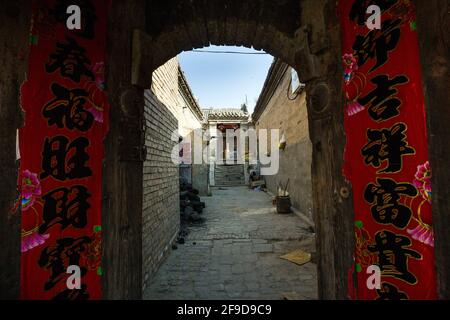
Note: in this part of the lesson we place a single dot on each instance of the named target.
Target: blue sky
(223, 80)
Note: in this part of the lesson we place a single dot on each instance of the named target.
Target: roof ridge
(224, 113)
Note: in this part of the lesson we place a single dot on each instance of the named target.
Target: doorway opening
(220, 234)
(289, 31)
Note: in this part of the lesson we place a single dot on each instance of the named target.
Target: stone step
(229, 169)
(228, 175)
(229, 184)
(229, 166)
(237, 182)
(230, 179)
(236, 167)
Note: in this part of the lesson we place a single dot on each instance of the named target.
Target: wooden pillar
(319, 66)
(14, 34)
(433, 23)
(122, 173)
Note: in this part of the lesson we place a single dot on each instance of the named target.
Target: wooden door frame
(121, 217)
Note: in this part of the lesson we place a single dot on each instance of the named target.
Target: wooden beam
(331, 193)
(122, 177)
(15, 18)
(142, 59)
(433, 23)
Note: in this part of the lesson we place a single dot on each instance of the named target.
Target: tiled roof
(224, 114)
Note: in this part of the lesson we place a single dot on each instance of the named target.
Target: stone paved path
(235, 253)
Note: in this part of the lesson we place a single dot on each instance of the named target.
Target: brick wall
(160, 218)
(291, 118)
(165, 86)
(166, 111)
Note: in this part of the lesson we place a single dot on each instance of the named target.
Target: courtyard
(235, 253)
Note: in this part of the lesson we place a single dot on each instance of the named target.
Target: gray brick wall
(165, 85)
(160, 218)
(291, 118)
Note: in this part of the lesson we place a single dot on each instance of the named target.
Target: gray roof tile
(224, 113)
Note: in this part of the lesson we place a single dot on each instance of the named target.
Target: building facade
(227, 162)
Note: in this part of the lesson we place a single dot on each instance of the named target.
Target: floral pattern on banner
(61, 147)
(30, 192)
(386, 154)
(30, 189)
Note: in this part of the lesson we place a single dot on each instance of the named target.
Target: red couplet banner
(386, 156)
(61, 151)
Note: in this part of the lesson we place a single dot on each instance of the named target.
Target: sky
(221, 80)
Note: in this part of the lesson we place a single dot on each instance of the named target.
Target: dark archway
(305, 35)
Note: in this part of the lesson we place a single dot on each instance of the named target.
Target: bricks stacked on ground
(190, 207)
(160, 217)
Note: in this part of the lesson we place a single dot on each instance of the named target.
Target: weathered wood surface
(332, 198)
(14, 31)
(122, 176)
(433, 25)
